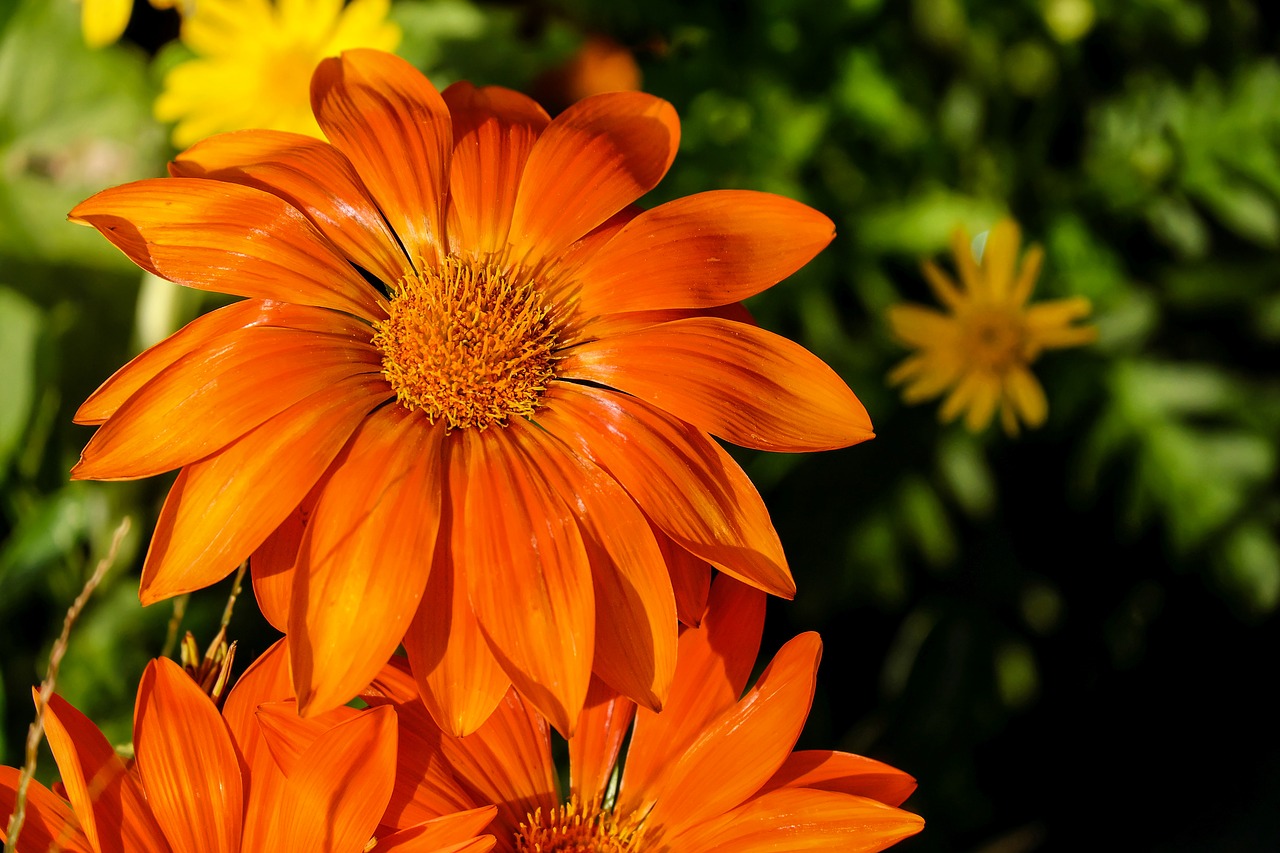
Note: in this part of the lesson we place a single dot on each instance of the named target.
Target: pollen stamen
(574, 827)
(468, 342)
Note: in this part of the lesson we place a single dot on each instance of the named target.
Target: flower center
(995, 339)
(575, 828)
(467, 342)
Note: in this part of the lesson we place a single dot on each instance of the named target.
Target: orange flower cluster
(467, 406)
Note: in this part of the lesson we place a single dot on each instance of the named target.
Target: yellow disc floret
(995, 338)
(468, 342)
(575, 828)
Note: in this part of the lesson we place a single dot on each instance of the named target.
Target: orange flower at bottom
(188, 788)
(712, 772)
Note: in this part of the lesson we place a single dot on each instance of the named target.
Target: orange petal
(339, 789)
(212, 397)
(845, 773)
(635, 647)
(594, 159)
(797, 819)
(50, 823)
(443, 833)
(738, 751)
(593, 750)
(738, 382)
(527, 573)
(507, 761)
(112, 811)
(425, 786)
(685, 482)
(394, 126)
(266, 680)
(460, 679)
(189, 767)
(196, 336)
(701, 251)
(220, 509)
(494, 130)
(288, 735)
(612, 325)
(232, 239)
(690, 579)
(365, 558)
(713, 665)
(272, 565)
(311, 175)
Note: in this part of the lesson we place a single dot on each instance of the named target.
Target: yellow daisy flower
(980, 349)
(254, 60)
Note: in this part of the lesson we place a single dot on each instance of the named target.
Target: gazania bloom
(254, 60)
(712, 772)
(467, 403)
(255, 777)
(980, 349)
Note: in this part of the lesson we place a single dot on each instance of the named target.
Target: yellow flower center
(468, 342)
(995, 338)
(575, 828)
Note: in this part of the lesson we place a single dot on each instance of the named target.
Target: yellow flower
(980, 350)
(254, 60)
(104, 21)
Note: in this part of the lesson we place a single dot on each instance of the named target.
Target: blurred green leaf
(72, 121)
(20, 323)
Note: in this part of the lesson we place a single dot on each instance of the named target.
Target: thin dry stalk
(36, 732)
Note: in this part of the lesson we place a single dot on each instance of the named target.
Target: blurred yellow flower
(254, 60)
(980, 349)
(103, 21)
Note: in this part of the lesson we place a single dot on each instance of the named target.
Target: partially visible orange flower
(255, 777)
(980, 350)
(712, 772)
(468, 404)
(254, 60)
(600, 65)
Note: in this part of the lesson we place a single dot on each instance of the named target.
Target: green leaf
(20, 324)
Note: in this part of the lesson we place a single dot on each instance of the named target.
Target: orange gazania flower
(467, 404)
(255, 777)
(712, 772)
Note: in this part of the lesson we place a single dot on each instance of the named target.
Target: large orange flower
(468, 402)
(712, 772)
(317, 785)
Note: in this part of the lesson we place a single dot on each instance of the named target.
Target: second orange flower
(467, 403)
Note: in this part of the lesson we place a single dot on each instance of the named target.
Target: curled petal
(212, 235)
(311, 175)
(738, 382)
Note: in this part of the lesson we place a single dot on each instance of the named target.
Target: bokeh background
(1068, 637)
